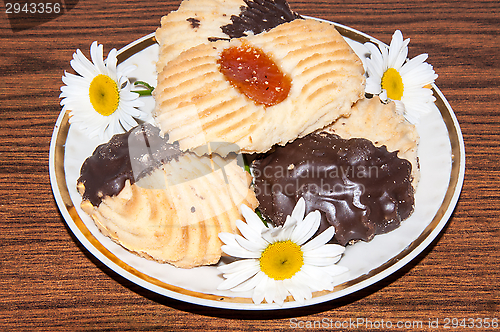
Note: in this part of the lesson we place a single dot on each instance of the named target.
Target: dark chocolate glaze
(195, 23)
(258, 16)
(129, 156)
(360, 189)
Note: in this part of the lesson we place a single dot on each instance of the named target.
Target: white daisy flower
(280, 261)
(393, 77)
(99, 98)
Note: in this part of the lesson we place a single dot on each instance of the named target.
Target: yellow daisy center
(393, 84)
(281, 260)
(104, 95)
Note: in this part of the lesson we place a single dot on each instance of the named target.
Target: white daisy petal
(313, 280)
(327, 250)
(281, 293)
(307, 228)
(227, 238)
(400, 58)
(299, 291)
(373, 88)
(110, 63)
(400, 106)
(276, 231)
(289, 222)
(322, 280)
(320, 240)
(246, 230)
(252, 219)
(375, 63)
(321, 261)
(398, 51)
(237, 251)
(237, 265)
(299, 210)
(236, 278)
(83, 66)
(250, 283)
(96, 54)
(267, 235)
(270, 291)
(233, 248)
(384, 51)
(425, 73)
(259, 292)
(383, 96)
(375, 72)
(395, 47)
(112, 126)
(125, 71)
(419, 77)
(286, 231)
(413, 64)
(251, 245)
(127, 122)
(71, 79)
(250, 233)
(423, 95)
(300, 278)
(335, 270)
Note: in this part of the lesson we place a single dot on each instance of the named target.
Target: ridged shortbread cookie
(198, 22)
(383, 125)
(192, 24)
(173, 212)
(196, 104)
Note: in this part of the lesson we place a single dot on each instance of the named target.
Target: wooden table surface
(50, 282)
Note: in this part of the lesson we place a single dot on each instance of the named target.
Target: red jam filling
(254, 74)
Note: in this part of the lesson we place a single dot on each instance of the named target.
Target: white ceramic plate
(442, 160)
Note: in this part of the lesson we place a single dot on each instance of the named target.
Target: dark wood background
(48, 281)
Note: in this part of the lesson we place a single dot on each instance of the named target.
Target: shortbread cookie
(198, 22)
(172, 210)
(192, 24)
(196, 103)
(382, 125)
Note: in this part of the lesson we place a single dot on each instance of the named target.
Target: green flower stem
(247, 166)
(143, 92)
(147, 92)
(257, 211)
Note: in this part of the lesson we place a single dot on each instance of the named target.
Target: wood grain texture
(50, 282)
